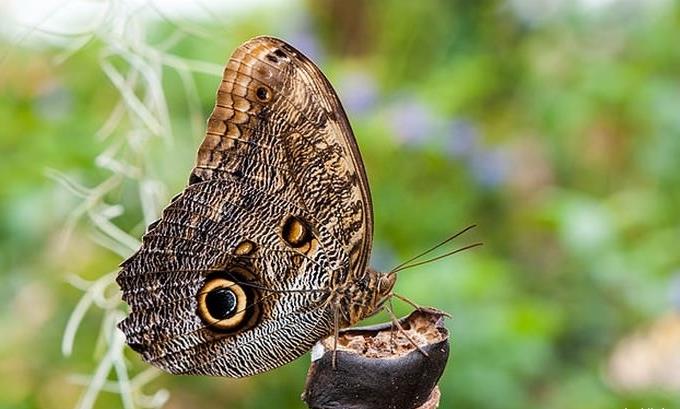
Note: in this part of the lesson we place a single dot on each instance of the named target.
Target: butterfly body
(265, 251)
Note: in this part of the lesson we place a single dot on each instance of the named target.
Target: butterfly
(265, 252)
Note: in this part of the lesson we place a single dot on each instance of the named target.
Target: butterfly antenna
(405, 265)
(450, 253)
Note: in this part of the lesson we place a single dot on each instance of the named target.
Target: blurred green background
(554, 126)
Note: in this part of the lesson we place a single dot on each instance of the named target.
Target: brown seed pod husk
(378, 367)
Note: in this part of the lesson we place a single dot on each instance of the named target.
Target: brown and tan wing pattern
(233, 279)
(278, 125)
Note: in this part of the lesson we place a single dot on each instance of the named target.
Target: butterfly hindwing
(199, 235)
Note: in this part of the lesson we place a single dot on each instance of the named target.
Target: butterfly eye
(223, 304)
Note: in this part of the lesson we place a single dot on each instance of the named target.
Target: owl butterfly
(265, 251)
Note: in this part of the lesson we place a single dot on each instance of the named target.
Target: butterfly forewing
(278, 123)
(276, 213)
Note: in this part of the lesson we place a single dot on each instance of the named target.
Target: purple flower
(358, 92)
(462, 137)
(412, 122)
(308, 45)
(489, 167)
(299, 32)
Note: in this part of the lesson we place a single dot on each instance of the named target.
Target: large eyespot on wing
(216, 289)
(278, 126)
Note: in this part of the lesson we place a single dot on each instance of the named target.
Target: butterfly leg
(392, 341)
(416, 306)
(336, 326)
(406, 300)
(395, 321)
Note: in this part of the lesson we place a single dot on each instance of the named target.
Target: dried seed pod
(379, 367)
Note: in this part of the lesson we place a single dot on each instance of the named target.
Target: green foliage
(555, 130)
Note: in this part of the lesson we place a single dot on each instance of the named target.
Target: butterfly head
(386, 283)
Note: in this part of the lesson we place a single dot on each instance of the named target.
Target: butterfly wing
(234, 278)
(279, 123)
